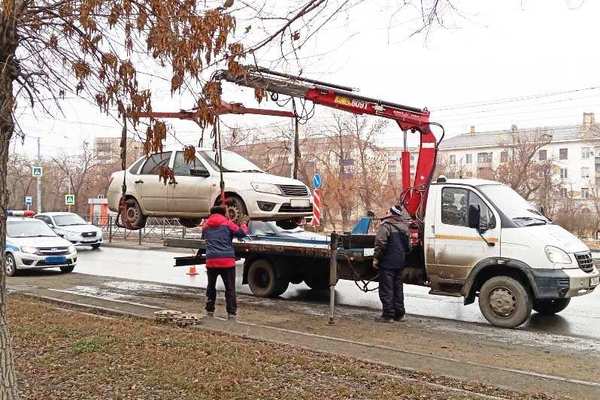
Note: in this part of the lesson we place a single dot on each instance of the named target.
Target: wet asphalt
(581, 318)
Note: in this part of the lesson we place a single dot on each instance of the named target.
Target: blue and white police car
(31, 244)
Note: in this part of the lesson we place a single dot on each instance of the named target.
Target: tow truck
(470, 238)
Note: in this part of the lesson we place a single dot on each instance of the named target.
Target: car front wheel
(11, 265)
(67, 269)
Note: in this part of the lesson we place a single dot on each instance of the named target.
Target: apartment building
(573, 151)
(108, 149)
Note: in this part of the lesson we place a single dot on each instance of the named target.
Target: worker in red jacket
(219, 231)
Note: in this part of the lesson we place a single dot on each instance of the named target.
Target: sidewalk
(469, 352)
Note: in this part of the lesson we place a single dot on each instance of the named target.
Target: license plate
(56, 260)
(595, 281)
(297, 203)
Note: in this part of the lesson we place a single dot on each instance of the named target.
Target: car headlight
(72, 249)
(266, 188)
(557, 256)
(29, 250)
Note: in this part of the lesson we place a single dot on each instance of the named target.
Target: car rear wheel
(134, 214)
(550, 306)
(505, 302)
(67, 269)
(11, 265)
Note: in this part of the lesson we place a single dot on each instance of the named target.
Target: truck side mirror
(474, 217)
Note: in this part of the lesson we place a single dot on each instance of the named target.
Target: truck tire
(505, 302)
(550, 306)
(11, 265)
(263, 280)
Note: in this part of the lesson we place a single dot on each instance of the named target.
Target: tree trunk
(8, 73)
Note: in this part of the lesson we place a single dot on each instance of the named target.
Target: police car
(31, 244)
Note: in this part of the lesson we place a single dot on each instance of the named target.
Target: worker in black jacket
(391, 248)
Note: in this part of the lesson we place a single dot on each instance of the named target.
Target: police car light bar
(24, 213)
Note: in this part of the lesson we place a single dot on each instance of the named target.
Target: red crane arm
(344, 98)
(223, 108)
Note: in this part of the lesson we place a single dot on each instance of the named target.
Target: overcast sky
(498, 63)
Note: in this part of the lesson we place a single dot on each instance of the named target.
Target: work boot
(385, 320)
(210, 314)
(231, 317)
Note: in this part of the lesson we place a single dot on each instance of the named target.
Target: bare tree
(522, 170)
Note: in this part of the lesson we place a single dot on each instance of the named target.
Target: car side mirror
(199, 172)
(474, 217)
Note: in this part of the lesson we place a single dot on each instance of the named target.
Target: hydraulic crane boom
(414, 194)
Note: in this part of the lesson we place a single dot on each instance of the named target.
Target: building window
(504, 156)
(483, 158)
(586, 153)
(585, 193)
(585, 172)
(543, 155)
(468, 158)
(563, 192)
(452, 159)
(563, 154)
(563, 173)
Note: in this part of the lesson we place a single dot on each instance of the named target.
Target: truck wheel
(11, 265)
(190, 222)
(504, 302)
(550, 306)
(263, 280)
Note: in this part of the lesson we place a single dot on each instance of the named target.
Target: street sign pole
(39, 178)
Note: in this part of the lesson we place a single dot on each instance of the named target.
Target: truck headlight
(266, 188)
(29, 250)
(72, 249)
(557, 256)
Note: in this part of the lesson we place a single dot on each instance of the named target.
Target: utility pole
(39, 178)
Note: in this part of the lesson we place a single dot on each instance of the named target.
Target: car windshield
(232, 162)
(68, 220)
(519, 210)
(33, 228)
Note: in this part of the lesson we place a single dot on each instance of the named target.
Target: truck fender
(494, 266)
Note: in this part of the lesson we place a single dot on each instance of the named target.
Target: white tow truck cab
(482, 239)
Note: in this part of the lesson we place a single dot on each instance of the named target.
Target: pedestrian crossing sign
(36, 172)
(69, 199)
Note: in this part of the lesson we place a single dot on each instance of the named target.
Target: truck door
(150, 190)
(457, 247)
(194, 187)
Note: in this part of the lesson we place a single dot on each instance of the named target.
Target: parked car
(249, 190)
(31, 244)
(73, 228)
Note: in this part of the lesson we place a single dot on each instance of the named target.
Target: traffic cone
(192, 270)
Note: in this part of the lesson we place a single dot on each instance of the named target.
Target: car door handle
(139, 181)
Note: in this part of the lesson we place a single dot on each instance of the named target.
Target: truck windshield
(33, 228)
(519, 210)
(69, 220)
(232, 162)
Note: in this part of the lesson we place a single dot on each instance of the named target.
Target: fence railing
(156, 230)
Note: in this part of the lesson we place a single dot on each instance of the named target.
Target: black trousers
(228, 277)
(391, 292)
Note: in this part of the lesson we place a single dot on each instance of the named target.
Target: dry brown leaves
(166, 174)
(189, 154)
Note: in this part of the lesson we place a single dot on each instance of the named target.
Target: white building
(573, 150)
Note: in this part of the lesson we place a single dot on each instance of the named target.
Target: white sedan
(73, 228)
(248, 190)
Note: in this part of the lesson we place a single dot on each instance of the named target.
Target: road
(580, 319)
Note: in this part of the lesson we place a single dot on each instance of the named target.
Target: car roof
(468, 182)
(21, 219)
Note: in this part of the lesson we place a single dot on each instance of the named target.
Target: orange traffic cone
(192, 271)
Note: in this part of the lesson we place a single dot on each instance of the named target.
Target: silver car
(249, 190)
(73, 228)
